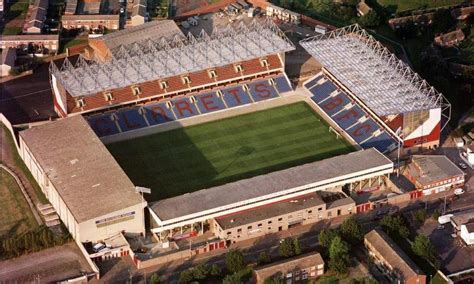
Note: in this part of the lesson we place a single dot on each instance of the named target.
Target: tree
(200, 272)
(154, 279)
(274, 280)
(339, 255)
(286, 248)
(369, 20)
(326, 236)
(436, 215)
(351, 230)
(186, 276)
(442, 21)
(215, 270)
(421, 215)
(263, 258)
(423, 247)
(232, 279)
(365, 280)
(234, 260)
(296, 246)
(394, 225)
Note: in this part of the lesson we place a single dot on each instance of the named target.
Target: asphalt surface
(28, 98)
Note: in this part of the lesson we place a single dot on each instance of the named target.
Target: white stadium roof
(376, 76)
(151, 60)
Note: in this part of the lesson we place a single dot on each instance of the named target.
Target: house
(90, 22)
(138, 16)
(293, 270)
(45, 43)
(7, 61)
(449, 39)
(463, 222)
(362, 8)
(391, 259)
(35, 17)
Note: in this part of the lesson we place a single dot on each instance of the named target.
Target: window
(136, 90)
(229, 233)
(264, 62)
(238, 68)
(164, 85)
(249, 228)
(310, 211)
(320, 209)
(259, 225)
(269, 222)
(80, 103)
(212, 74)
(108, 96)
(239, 230)
(280, 219)
(186, 80)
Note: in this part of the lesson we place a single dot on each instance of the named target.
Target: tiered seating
(184, 107)
(103, 124)
(130, 120)
(262, 90)
(348, 115)
(282, 84)
(209, 102)
(236, 96)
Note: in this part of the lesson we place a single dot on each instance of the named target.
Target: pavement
(46, 266)
(28, 98)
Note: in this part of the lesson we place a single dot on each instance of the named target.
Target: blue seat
(282, 84)
(326, 87)
(209, 102)
(334, 104)
(235, 96)
(103, 125)
(158, 113)
(130, 119)
(310, 84)
(382, 142)
(262, 90)
(347, 118)
(184, 108)
(363, 130)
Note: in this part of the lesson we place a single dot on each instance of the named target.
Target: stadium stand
(184, 107)
(345, 112)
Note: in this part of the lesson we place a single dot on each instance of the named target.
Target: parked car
(462, 165)
(459, 191)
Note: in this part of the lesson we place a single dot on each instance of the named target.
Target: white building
(90, 192)
(467, 233)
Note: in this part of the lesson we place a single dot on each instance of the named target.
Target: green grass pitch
(201, 156)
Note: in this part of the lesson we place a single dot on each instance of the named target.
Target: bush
(215, 270)
(234, 260)
(154, 279)
(238, 277)
(421, 215)
(263, 258)
(185, 277)
(436, 215)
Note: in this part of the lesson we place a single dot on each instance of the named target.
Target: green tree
(186, 276)
(263, 258)
(154, 279)
(215, 270)
(274, 280)
(234, 260)
(369, 20)
(232, 279)
(296, 246)
(286, 248)
(351, 230)
(326, 236)
(436, 215)
(200, 272)
(394, 226)
(339, 255)
(421, 215)
(422, 246)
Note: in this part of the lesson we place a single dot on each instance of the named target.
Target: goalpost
(335, 132)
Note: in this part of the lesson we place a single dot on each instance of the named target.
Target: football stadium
(209, 130)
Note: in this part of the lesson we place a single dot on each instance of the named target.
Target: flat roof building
(391, 259)
(293, 270)
(276, 186)
(90, 192)
(434, 173)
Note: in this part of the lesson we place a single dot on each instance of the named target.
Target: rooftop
(288, 265)
(32, 37)
(97, 17)
(392, 254)
(433, 168)
(463, 217)
(269, 211)
(82, 170)
(275, 184)
(377, 77)
(136, 61)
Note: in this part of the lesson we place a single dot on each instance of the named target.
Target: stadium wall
(428, 133)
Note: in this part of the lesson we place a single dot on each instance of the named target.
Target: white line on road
(25, 95)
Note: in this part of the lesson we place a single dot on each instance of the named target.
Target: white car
(459, 191)
(462, 166)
